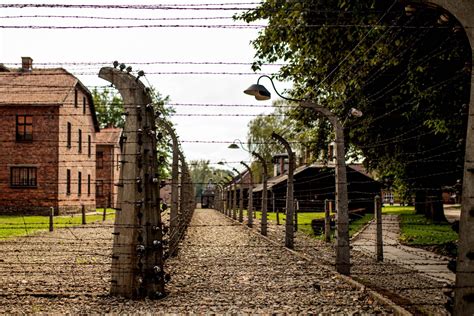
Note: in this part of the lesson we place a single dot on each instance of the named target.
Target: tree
(202, 174)
(408, 73)
(108, 108)
(111, 113)
(260, 140)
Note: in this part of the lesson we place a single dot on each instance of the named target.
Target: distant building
(315, 183)
(108, 158)
(48, 141)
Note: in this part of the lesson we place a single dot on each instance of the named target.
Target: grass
(415, 229)
(358, 224)
(16, 226)
(305, 218)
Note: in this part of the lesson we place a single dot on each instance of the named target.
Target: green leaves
(407, 75)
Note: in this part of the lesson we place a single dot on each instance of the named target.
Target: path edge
(397, 309)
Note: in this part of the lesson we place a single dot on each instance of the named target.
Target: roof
(108, 136)
(40, 87)
(279, 179)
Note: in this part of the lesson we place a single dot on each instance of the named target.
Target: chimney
(26, 64)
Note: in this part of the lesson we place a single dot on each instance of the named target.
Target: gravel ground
(409, 288)
(221, 268)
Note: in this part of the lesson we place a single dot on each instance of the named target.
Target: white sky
(151, 45)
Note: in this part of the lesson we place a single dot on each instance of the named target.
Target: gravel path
(221, 267)
(409, 288)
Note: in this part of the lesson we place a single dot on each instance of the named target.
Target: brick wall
(72, 158)
(41, 152)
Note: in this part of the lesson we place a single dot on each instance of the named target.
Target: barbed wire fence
(29, 258)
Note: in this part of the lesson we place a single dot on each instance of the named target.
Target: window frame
(68, 181)
(76, 96)
(89, 146)
(88, 185)
(99, 157)
(79, 183)
(84, 105)
(23, 138)
(69, 137)
(29, 183)
(79, 140)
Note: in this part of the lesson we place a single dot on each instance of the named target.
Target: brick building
(107, 166)
(48, 141)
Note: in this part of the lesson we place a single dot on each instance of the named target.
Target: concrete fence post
(378, 236)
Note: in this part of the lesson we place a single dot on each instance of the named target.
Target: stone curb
(397, 310)
(356, 235)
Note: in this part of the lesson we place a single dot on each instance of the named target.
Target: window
(100, 159)
(68, 181)
(99, 188)
(69, 128)
(83, 105)
(75, 98)
(79, 183)
(79, 141)
(23, 177)
(24, 128)
(117, 165)
(88, 185)
(89, 145)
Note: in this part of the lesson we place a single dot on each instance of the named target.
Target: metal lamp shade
(233, 146)
(258, 91)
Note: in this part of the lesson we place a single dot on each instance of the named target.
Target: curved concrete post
(343, 265)
(174, 185)
(290, 206)
(241, 198)
(250, 198)
(263, 221)
(137, 257)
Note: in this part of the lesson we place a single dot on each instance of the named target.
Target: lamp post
(250, 198)
(342, 246)
(290, 205)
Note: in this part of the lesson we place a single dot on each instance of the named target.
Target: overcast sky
(142, 45)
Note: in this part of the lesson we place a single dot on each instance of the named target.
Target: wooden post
(51, 219)
(83, 211)
(104, 214)
(327, 221)
(378, 221)
(275, 209)
(297, 206)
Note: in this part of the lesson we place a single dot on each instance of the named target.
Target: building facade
(48, 141)
(108, 157)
